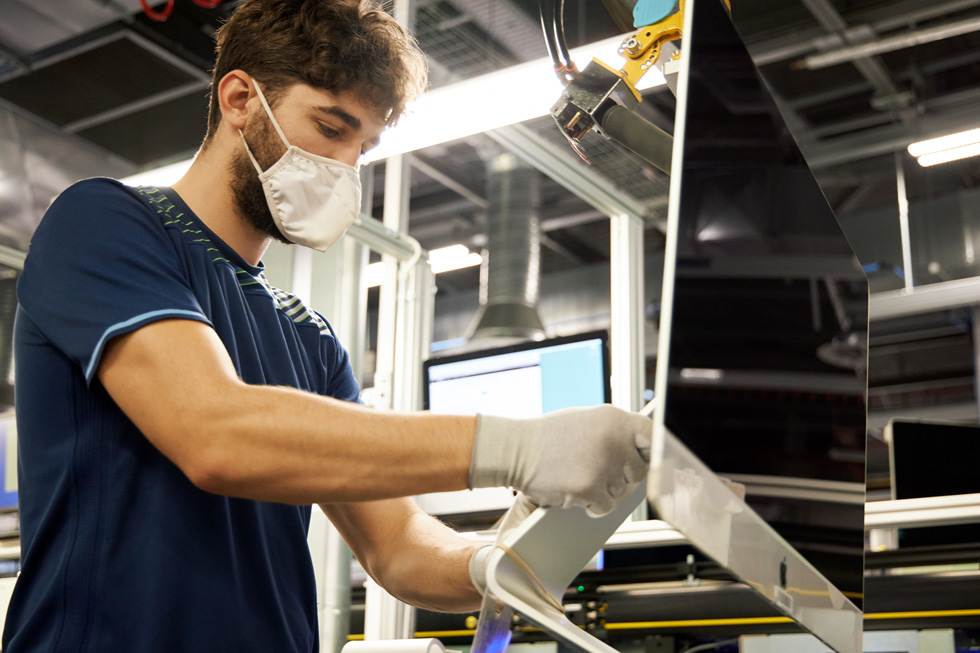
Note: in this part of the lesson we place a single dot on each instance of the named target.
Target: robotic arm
(603, 98)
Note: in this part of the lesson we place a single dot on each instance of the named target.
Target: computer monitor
(523, 380)
(934, 459)
(763, 331)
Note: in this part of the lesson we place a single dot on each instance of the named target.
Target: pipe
(890, 44)
(509, 282)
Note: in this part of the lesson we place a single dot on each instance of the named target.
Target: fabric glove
(517, 513)
(582, 457)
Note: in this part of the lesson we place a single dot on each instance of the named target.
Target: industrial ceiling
(856, 80)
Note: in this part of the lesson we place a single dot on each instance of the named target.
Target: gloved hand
(517, 513)
(584, 457)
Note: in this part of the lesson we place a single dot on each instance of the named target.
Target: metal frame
(410, 309)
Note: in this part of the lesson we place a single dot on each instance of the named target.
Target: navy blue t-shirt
(120, 551)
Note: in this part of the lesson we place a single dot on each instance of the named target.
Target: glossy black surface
(931, 459)
(767, 297)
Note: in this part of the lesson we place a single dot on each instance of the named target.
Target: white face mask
(313, 199)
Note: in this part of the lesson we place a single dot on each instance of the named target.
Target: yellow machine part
(642, 50)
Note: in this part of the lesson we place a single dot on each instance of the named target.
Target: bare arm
(175, 381)
(415, 557)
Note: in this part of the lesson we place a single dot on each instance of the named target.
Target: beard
(247, 192)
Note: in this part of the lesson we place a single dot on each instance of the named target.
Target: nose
(349, 155)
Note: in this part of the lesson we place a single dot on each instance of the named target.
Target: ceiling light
(454, 257)
(945, 143)
(491, 101)
(445, 259)
(472, 106)
(164, 176)
(953, 154)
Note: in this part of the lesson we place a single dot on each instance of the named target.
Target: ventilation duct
(511, 271)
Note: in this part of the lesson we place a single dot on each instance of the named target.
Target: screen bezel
(601, 335)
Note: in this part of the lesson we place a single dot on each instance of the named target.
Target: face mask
(313, 199)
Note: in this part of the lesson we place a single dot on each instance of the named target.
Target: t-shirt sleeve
(100, 265)
(341, 383)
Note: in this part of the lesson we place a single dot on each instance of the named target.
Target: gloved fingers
(523, 505)
(617, 489)
(643, 435)
(636, 467)
(602, 507)
(515, 516)
(642, 443)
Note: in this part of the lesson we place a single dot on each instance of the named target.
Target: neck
(206, 188)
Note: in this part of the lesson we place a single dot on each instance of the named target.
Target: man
(178, 416)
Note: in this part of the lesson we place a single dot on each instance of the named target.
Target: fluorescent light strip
(945, 142)
(491, 101)
(445, 259)
(473, 106)
(163, 176)
(946, 156)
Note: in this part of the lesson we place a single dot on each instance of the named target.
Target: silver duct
(512, 268)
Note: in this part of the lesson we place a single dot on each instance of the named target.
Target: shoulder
(89, 208)
(296, 309)
(98, 189)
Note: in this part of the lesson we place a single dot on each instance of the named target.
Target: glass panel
(767, 355)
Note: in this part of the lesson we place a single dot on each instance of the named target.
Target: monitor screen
(519, 381)
(934, 459)
(762, 372)
(524, 380)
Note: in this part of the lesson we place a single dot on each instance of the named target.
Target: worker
(178, 416)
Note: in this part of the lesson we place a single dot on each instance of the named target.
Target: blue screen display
(532, 381)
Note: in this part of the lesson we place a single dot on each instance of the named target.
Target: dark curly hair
(335, 45)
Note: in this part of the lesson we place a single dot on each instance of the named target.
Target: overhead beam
(558, 164)
(945, 115)
(872, 70)
(449, 182)
(888, 17)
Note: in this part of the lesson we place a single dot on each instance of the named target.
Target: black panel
(765, 280)
(156, 133)
(932, 459)
(97, 80)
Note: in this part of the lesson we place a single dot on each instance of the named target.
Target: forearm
(281, 444)
(175, 381)
(415, 557)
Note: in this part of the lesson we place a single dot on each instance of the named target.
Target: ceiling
(100, 71)
(106, 77)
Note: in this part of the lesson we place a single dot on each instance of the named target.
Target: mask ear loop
(248, 151)
(268, 110)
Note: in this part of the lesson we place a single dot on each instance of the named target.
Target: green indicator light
(581, 588)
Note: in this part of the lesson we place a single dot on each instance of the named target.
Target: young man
(178, 416)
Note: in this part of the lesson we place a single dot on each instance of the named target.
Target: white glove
(583, 457)
(517, 513)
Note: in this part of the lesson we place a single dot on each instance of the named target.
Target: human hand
(583, 457)
(518, 512)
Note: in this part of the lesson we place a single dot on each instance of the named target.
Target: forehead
(371, 117)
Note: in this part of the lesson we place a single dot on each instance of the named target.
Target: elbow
(209, 475)
(208, 457)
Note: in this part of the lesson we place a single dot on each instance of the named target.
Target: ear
(234, 91)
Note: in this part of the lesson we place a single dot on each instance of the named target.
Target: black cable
(546, 11)
(559, 22)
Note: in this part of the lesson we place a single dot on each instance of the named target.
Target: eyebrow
(348, 119)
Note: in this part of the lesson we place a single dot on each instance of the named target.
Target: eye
(329, 132)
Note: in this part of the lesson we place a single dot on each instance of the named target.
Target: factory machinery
(903, 569)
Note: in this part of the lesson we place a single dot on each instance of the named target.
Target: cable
(155, 15)
(559, 23)
(208, 4)
(710, 646)
(547, 13)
